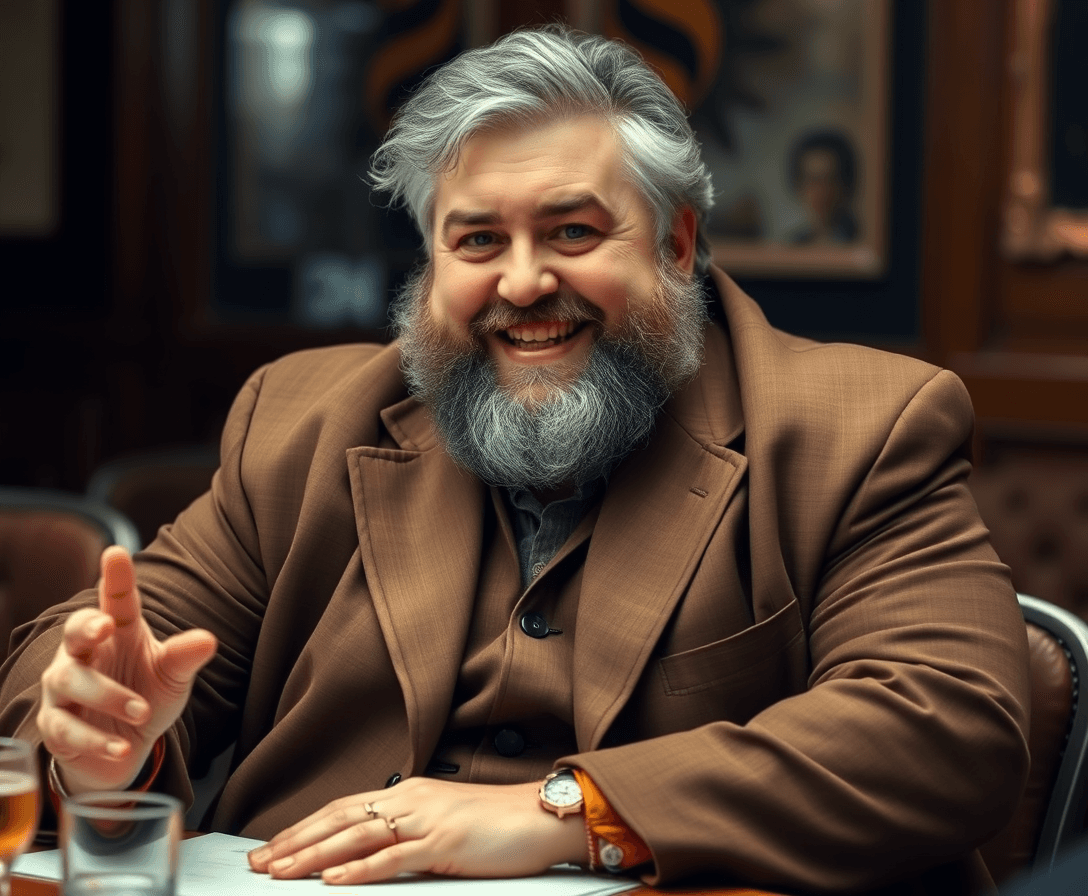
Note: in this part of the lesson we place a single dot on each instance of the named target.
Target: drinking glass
(120, 843)
(19, 795)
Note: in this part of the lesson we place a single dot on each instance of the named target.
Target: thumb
(183, 655)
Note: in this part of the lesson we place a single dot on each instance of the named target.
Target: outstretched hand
(424, 825)
(112, 688)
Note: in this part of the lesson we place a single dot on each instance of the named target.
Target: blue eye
(575, 231)
(480, 239)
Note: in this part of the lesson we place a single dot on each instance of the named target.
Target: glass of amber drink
(19, 792)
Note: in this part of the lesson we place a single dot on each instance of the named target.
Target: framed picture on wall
(1046, 204)
(30, 73)
(790, 102)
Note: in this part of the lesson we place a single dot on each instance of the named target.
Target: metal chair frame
(1066, 816)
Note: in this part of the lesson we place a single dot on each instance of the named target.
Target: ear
(684, 229)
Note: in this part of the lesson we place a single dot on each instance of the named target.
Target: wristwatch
(560, 793)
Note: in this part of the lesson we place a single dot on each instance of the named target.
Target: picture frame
(1036, 226)
(30, 75)
(790, 101)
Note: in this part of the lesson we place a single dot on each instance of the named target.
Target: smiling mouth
(541, 335)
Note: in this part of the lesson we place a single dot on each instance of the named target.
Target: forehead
(503, 168)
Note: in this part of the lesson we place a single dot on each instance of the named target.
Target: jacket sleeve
(908, 746)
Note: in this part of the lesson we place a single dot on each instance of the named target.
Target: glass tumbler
(19, 800)
(119, 843)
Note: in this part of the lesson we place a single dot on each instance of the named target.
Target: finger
(346, 808)
(117, 592)
(72, 684)
(183, 655)
(407, 856)
(68, 737)
(84, 630)
(357, 840)
(312, 830)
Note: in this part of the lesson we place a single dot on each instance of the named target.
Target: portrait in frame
(789, 99)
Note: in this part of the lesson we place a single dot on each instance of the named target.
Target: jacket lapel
(659, 512)
(420, 522)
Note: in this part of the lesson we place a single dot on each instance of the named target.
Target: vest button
(509, 743)
(534, 625)
(393, 779)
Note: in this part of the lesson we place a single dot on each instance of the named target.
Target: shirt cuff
(612, 844)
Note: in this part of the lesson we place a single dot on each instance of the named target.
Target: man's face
(548, 330)
(541, 245)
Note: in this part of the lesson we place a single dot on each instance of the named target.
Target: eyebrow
(575, 203)
(579, 202)
(467, 219)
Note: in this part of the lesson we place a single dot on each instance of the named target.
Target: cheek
(458, 294)
(614, 287)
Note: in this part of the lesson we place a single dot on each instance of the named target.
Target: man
(731, 579)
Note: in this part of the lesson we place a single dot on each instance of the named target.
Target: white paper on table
(216, 863)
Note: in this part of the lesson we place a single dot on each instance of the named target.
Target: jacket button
(393, 779)
(534, 625)
(509, 743)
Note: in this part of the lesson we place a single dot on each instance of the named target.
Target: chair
(50, 542)
(1053, 811)
(1035, 504)
(152, 489)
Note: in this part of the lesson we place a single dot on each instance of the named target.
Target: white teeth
(538, 333)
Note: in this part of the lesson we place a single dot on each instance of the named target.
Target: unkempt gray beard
(583, 428)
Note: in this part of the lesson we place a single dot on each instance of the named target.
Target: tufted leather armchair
(1035, 503)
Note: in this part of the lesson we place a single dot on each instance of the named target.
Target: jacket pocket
(765, 653)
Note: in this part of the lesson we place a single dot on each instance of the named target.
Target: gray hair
(546, 72)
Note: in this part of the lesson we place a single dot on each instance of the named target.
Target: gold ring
(392, 823)
(370, 810)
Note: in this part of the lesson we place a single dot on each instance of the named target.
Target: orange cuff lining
(156, 759)
(603, 822)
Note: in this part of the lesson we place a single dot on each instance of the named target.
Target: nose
(526, 277)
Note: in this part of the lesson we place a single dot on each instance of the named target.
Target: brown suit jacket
(798, 663)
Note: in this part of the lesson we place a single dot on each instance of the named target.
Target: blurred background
(182, 199)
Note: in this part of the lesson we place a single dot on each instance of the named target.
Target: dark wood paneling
(1046, 301)
(1016, 332)
(962, 173)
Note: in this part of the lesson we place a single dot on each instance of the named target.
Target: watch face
(563, 790)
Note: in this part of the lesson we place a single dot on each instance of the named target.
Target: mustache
(558, 306)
